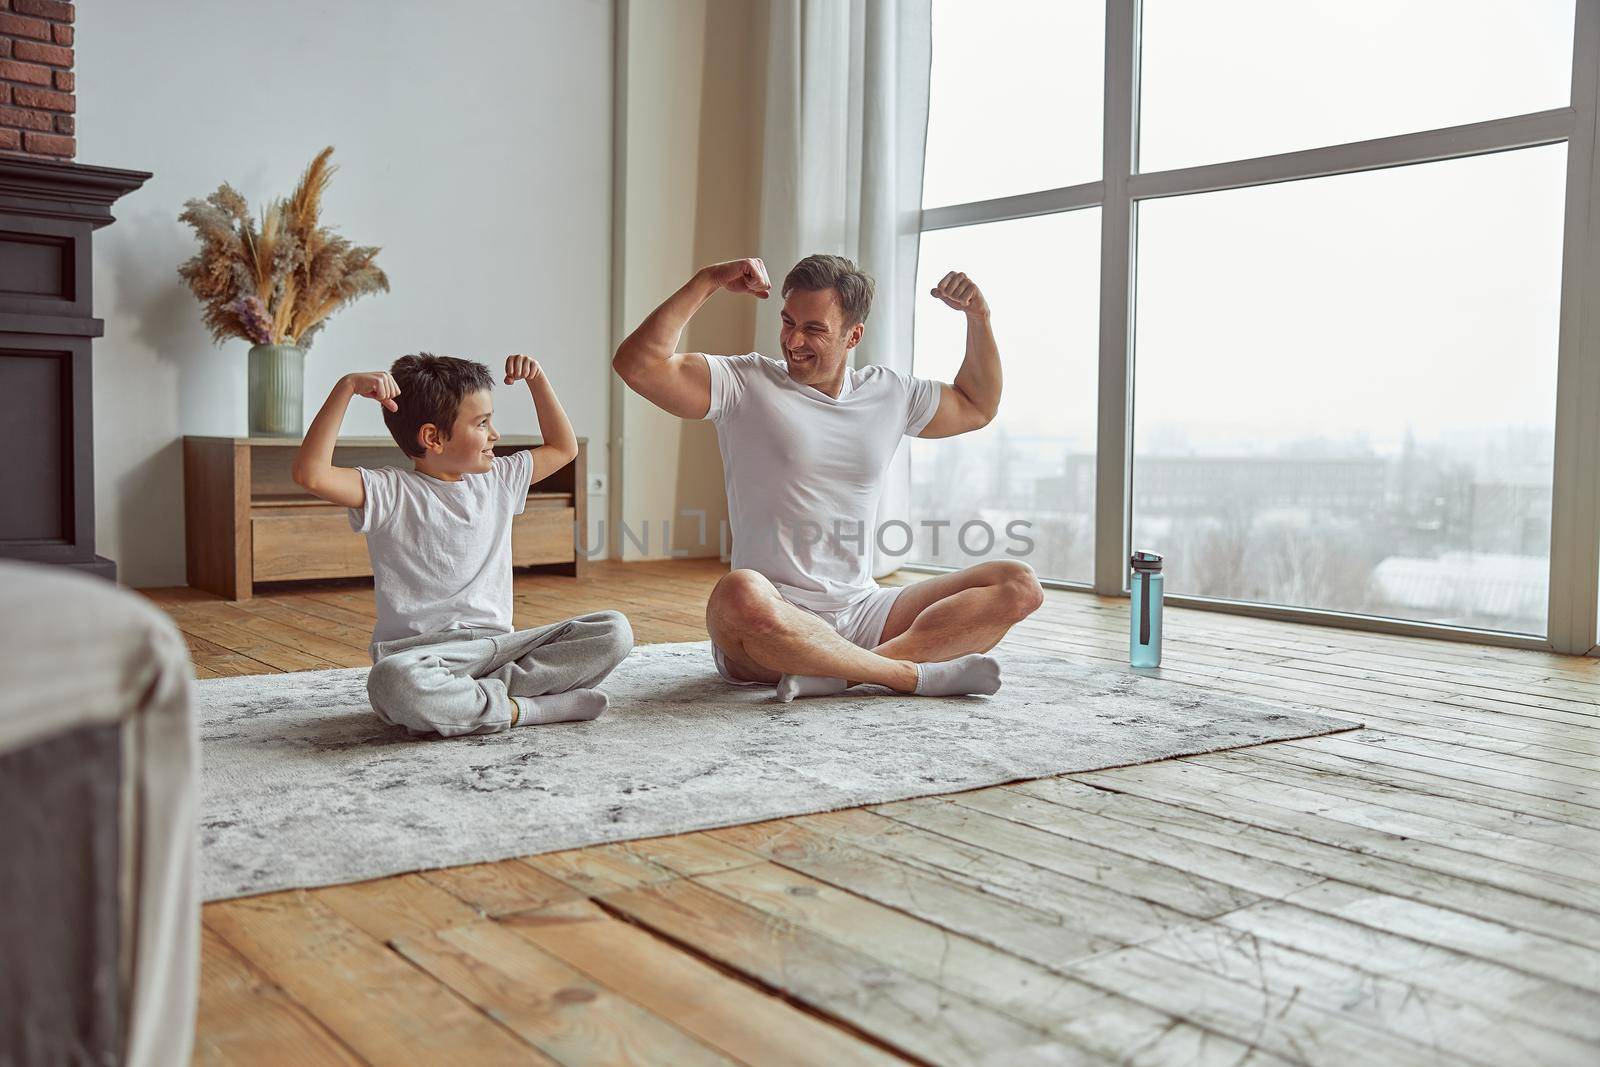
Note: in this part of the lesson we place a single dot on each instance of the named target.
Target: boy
(444, 656)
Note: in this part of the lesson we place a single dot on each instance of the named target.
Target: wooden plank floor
(1424, 891)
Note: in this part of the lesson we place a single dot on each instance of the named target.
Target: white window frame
(1575, 507)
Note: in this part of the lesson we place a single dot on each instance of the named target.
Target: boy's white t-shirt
(803, 470)
(441, 551)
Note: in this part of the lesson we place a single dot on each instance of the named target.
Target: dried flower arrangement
(276, 282)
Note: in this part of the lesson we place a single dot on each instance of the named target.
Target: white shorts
(861, 624)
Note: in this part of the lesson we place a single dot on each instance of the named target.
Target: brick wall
(37, 105)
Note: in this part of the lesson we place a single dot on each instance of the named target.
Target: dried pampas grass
(276, 281)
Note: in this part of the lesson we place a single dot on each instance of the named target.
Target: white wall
(474, 145)
(691, 130)
(661, 127)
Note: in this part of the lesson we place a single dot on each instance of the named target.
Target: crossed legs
(476, 681)
(965, 611)
(765, 638)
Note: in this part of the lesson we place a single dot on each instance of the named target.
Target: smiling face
(468, 450)
(816, 342)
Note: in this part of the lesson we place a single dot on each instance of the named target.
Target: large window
(1035, 463)
(1339, 370)
(997, 68)
(1345, 390)
(996, 71)
(1232, 79)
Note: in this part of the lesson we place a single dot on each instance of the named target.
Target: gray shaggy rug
(304, 786)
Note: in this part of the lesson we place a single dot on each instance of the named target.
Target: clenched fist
(520, 368)
(742, 276)
(379, 385)
(960, 292)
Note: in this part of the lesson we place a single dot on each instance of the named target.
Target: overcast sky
(1353, 306)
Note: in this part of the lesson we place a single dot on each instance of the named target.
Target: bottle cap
(1145, 562)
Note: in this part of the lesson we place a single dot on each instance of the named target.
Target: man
(805, 442)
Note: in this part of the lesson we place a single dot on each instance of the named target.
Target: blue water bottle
(1144, 638)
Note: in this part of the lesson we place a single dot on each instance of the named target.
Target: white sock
(575, 705)
(966, 675)
(806, 685)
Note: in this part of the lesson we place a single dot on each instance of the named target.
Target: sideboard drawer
(542, 535)
(319, 545)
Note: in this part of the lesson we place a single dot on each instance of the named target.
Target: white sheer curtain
(846, 126)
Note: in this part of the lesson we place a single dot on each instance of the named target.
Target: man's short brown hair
(822, 271)
(431, 390)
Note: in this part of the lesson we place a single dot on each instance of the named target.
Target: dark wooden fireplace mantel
(48, 212)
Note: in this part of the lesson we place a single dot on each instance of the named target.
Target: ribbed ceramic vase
(277, 391)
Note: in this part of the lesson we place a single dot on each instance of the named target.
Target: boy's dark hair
(431, 390)
(822, 271)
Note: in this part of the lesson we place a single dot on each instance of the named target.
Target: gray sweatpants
(461, 681)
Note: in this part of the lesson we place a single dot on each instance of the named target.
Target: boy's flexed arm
(560, 444)
(313, 464)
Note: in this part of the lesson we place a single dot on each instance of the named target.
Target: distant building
(1513, 517)
(1201, 485)
(1488, 591)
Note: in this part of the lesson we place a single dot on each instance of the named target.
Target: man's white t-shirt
(441, 551)
(804, 470)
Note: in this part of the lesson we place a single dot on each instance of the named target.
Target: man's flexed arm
(973, 399)
(313, 465)
(679, 382)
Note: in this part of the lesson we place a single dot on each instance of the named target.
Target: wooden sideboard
(246, 521)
